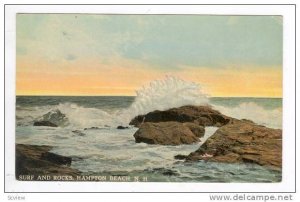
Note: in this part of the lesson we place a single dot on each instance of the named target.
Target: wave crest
(252, 111)
(165, 94)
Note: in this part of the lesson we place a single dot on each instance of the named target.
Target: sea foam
(162, 94)
(252, 111)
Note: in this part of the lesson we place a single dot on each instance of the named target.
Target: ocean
(90, 136)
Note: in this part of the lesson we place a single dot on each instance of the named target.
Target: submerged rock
(242, 141)
(44, 123)
(37, 160)
(122, 127)
(53, 118)
(163, 171)
(201, 115)
(168, 133)
(92, 128)
(180, 157)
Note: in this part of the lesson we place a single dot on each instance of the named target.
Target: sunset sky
(81, 54)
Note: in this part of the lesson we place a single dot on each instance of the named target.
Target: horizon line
(135, 96)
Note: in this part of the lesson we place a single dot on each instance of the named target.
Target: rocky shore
(200, 115)
(242, 141)
(169, 133)
(37, 161)
(236, 141)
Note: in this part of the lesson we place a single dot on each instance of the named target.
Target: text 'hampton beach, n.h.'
(103, 178)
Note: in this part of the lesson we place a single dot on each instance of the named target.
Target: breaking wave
(252, 111)
(158, 95)
(165, 94)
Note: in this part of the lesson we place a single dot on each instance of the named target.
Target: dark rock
(57, 159)
(92, 128)
(180, 157)
(164, 171)
(242, 141)
(54, 117)
(200, 115)
(235, 140)
(198, 130)
(122, 127)
(169, 172)
(165, 133)
(44, 123)
(37, 160)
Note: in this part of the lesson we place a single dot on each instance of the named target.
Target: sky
(84, 54)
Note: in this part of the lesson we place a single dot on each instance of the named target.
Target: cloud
(160, 41)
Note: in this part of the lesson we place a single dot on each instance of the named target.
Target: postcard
(169, 98)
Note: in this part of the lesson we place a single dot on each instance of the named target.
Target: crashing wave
(254, 112)
(164, 94)
(55, 117)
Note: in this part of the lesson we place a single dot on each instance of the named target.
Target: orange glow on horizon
(123, 77)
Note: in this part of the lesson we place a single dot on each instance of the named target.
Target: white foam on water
(249, 110)
(158, 95)
(83, 117)
(107, 149)
(162, 94)
(112, 150)
(27, 115)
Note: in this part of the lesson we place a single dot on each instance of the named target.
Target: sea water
(102, 149)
